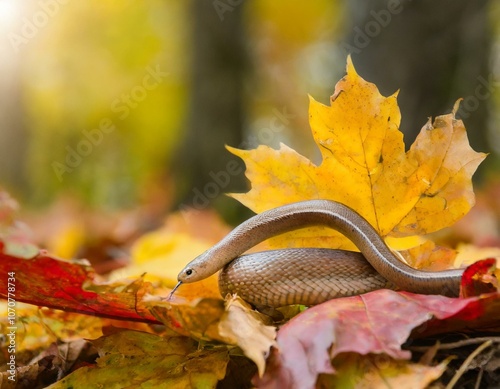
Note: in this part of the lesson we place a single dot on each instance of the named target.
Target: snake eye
(189, 272)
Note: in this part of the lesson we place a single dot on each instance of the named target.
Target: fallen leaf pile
(120, 330)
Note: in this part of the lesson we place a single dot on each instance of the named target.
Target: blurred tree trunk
(435, 52)
(216, 113)
(13, 139)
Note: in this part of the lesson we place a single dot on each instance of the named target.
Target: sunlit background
(116, 102)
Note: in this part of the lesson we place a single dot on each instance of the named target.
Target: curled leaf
(245, 327)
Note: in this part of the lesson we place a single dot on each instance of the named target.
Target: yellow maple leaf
(365, 166)
(161, 254)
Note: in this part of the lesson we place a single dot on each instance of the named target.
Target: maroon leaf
(376, 322)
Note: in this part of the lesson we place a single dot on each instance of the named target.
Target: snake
(310, 276)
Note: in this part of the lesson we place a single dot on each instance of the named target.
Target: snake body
(310, 276)
(299, 276)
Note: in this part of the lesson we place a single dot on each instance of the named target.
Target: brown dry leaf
(199, 320)
(242, 326)
(48, 366)
(235, 324)
(232, 323)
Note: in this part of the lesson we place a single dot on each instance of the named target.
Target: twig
(479, 378)
(460, 343)
(466, 363)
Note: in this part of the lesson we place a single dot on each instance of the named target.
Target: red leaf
(69, 285)
(376, 322)
(479, 278)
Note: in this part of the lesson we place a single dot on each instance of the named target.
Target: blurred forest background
(126, 102)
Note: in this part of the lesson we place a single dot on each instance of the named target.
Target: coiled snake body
(310, 276)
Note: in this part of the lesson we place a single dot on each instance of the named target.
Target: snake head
(187, 275)
(203, 266)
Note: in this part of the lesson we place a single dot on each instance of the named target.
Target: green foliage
(118, 61)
